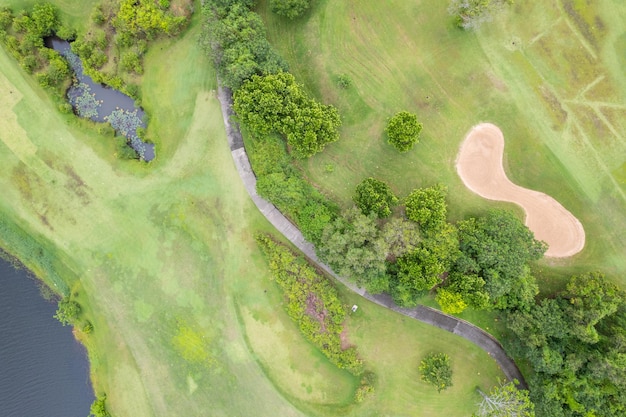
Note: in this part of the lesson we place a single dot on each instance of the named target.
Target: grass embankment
(162, 259)
(550, 77)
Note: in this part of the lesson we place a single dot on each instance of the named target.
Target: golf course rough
(479, 164)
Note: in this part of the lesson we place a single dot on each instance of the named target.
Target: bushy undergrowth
(283, 185)
(312, 302)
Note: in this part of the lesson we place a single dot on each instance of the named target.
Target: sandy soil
(479, 165)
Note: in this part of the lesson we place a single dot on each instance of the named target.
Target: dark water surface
(103, 104)
(43, 370)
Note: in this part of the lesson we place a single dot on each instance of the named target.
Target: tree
(498, 248)
(427, 207)
(353, 247)
(436, 369)
(403, 130)
(290, 8)
(423, 268)
(470, 14)
(276, 103)
(374, 196)
(505, 400)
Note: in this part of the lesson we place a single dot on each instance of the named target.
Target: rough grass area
(162, 259)
(550, 75)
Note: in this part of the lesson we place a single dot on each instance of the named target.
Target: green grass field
(162, 259)
(550, 74)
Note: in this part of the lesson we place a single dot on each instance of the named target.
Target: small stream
(103, 104)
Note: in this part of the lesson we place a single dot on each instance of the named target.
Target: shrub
(67, 311)
(403, 130)
(290, 9)
(436, 369)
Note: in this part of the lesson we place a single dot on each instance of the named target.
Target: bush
(290, 8)
(67, 311)
(403, 130)
(374, 196)
(312, 302)
(436, 369)
(427, 207)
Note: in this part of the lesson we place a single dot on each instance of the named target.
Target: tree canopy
(427, 207)
(403, 130)
(374, 196)
(290, 9)
(576, 344)
(470, 14)
(505, 400)
(498, 249)
(276, 103)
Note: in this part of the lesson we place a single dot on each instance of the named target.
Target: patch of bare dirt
(479, 165)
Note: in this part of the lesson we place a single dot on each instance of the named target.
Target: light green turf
(163, 261)
(559, 98)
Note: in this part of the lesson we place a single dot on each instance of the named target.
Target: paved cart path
(422, 313)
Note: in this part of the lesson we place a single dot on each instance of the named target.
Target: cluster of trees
(576, 343)
(470, 14)
(436, 370)
(312, 302)
(121, 33)
(266, 97)
(234, 36)
(276, 103)
(23, 35)
(505, 400)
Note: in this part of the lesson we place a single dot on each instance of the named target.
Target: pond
(44, 371)
(103, 104)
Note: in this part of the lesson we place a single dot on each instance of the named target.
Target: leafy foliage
(423, 268)
(353, 247)
(290, 8)
(505, 400)
(403, 130)
(470, 14)
(450, 302)
(285, 187)
(427, 207)
(276, 103)
(374, 196)
(576, 344)
(312, 302)
(147, 19)
(436, 369)
(67, 311)
(498, 248)
(235, 38)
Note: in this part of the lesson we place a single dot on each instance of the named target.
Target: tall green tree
(403, 130)
(276, 103)
(427, 207)
(374, 196)
(498, 248)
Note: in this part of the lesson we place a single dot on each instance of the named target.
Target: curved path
(422, 313)
(479, 165)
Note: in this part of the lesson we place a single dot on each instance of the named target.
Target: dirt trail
(479, 165)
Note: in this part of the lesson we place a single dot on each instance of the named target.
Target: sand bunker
(480, 166)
